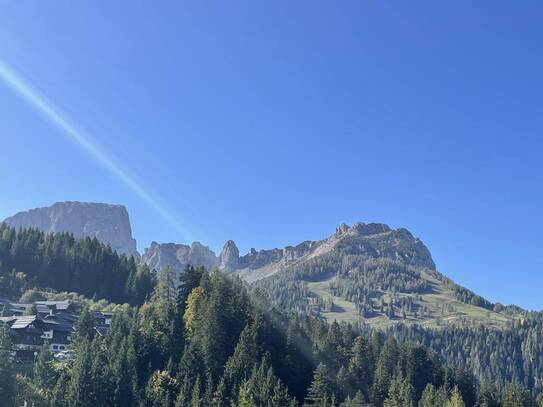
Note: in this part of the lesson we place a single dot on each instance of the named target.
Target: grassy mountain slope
(372, 274)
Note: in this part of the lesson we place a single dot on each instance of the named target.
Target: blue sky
(271, 122)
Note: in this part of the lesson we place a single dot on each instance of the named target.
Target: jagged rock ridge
(110, 224)
(229, 258)
(177, 256)
(372, 239)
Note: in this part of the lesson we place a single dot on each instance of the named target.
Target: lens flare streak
(84, 141)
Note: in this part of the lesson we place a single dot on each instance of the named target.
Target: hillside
(368, 273)
(212, 343)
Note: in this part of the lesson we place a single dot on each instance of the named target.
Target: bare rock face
(371, 240)
(229, 257)
(380, 241)
(200, 255)
(177, 256)
(341, 229)
(110, 224)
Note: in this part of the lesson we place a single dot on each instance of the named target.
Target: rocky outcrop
(373, 240)
(229, 257)
(379, 240)
(110, 224)
(200, 255)
(177, 256)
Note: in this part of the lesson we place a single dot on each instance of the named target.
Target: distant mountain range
(364, 272)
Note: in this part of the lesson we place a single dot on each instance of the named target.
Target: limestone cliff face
(229, 257)
(110, 224)
(177, 256)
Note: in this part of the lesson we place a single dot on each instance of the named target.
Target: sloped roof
(59, 305)
(7, 320)
(58, 324)
(23, 322)
(105, 314)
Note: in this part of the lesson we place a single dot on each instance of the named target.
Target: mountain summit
(108, 223)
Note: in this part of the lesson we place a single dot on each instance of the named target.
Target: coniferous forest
(211, 340)
(30, 258)
(211, 343)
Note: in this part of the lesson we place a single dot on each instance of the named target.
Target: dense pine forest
(212, 340)
(211, 343)
(513, 354)
(30, 258)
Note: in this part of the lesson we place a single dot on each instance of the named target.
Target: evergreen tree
(245, 398)
(466, 385)
(59, 393)
(45, 375)
(30, 394)
(361, 366)
(320, 390)
(343, 382)
(124, 375)
(488, 395)
(7, 374)
(514, 395)
(196, 398)
(80, 386)
(165, 288)
(385, 370)
(84, 327)
(456, 399)
(188, 281)
(160, 390)
(400, 393)
(357, 401)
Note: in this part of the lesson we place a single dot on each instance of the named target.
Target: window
(55, 347)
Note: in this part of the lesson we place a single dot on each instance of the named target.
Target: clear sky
(271, 122)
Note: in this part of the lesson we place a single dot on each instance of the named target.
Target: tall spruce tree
(320, 391)
(7, 373)
(400, 393)
(456, 398)
(45, 375)
(80, 386)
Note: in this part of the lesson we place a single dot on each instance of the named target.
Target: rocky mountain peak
(229, 257)
(177, 256)
(341, 229)
(367, 229)
(201, 255)
(108, 223)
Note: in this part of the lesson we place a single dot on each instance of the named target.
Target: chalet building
(26, 334)
(13, 309)
(53, 323)
(55, 307)
(103, 321)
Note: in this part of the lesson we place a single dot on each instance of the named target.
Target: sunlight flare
(76, 134)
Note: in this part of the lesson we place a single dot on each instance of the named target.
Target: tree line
(30, 259)
(511, 354)
(211, 342)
